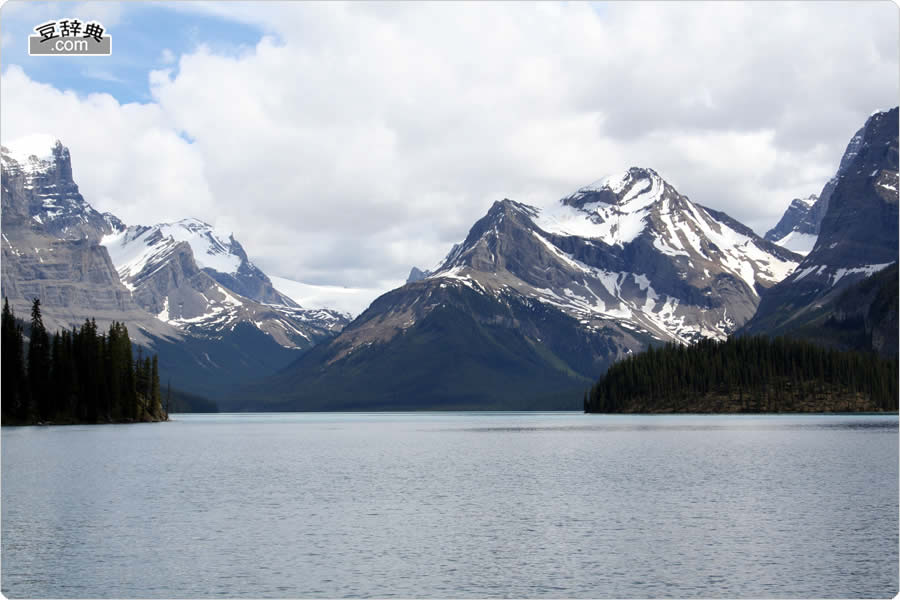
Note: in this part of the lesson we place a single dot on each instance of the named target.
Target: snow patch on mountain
(801, 243)
(866, 270)
(133, 249)
(615, 182)
(211, 248)
(614, 223)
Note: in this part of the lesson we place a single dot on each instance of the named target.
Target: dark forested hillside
(750, 374)
(77, 376)
(861, 317)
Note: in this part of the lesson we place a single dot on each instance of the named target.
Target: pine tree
(39, 363)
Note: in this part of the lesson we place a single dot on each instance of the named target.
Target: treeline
(77, 376)
(747, 374)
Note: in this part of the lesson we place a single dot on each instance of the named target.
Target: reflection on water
(875, 424)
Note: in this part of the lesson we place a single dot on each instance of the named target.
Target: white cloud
(127, 158)
(355, 140)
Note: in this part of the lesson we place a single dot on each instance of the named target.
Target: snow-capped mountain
(183, 289)
(192, 277)
(39, 171)
(536, 300)
(798, 228)
(858, 235)
(216, 253)
(628, 249)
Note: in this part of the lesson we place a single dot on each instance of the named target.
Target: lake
(453, 505)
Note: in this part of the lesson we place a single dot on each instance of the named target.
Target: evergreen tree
(39, 363)
(747, 374)
(79, 375)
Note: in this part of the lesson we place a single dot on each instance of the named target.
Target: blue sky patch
(147, 36)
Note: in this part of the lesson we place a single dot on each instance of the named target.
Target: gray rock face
(189, 277)
(858, 235)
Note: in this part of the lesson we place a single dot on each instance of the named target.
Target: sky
(344, 143)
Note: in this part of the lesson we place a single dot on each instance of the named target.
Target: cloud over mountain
(355, 140)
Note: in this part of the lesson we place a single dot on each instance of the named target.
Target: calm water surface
(453, 505)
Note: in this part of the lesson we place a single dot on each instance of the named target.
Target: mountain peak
(618, 182)
(631, 190)
(808, 201)
(417, 274)
(33, 150)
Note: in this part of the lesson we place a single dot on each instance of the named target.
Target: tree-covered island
(746, 375)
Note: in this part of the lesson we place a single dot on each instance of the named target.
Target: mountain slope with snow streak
(536, 301)
(628, 249)
(216, 253)
(202, 296)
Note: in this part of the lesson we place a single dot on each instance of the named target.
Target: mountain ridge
(559, 294)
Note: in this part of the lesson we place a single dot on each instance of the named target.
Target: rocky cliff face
(799, 227)
(41, 188)
(50, 250)
(546, 299)
(858, 235)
